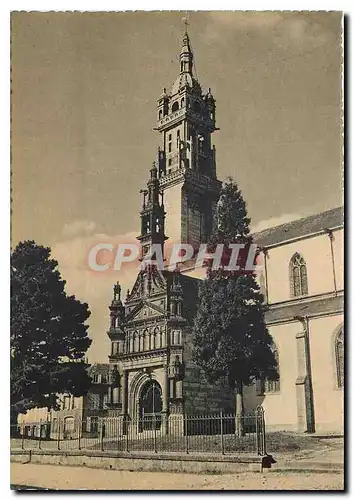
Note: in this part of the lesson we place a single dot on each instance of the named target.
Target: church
(151, 336)
(150, 369)
(301, 279)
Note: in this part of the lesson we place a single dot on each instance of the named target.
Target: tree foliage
(49, 337)
(231, 339)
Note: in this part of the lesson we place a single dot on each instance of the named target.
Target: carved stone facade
(156, 347)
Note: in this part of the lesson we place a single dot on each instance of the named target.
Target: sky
(84, 91)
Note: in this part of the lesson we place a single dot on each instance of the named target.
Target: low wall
(145, 462)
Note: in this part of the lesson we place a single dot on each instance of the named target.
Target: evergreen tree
(48, 333)
(231, 339)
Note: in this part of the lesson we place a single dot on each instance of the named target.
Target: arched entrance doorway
(150, 406)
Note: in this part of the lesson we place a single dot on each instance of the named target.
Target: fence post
(263, 433)
(58, 438)
(125, 424)
(40, 435)
(154, 424)
(102, 432)
(222, 434)
(257, 433)
(186, 432)
(79, 435)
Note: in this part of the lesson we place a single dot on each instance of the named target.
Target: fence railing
(155, 433)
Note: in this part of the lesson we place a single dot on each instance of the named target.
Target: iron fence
(154, 433)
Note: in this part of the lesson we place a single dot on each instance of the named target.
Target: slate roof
(301, 227)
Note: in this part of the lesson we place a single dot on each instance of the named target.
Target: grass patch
(290, 442)
(275, 442)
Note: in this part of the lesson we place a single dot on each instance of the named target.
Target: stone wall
(146, 462)
(199, 395)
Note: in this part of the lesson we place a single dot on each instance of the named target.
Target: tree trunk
(239, 410)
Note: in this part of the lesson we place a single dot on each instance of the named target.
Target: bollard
(23, 439)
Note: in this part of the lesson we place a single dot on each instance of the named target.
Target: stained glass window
(298, 276)
(273, 385)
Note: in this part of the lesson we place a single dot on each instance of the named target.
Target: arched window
(141, 341)
(339, 352)
(160, 114)
(157, 338)
(273, 385)
(146, 340)
(175, 106)
(298, 276)
(135, 341)
(182, 102)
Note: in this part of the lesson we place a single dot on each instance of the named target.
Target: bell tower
(186, 156)
(152, 215)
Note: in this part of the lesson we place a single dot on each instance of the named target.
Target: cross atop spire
(186, 24)
(186, 54)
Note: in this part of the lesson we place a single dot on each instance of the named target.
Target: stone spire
(152, 215)
(117, 310)
(186, 56)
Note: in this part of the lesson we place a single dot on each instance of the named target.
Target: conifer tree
(231, 340)
(49, 337)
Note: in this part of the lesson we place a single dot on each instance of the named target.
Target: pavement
(321, 469)
(56, 477)
(328, 459)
